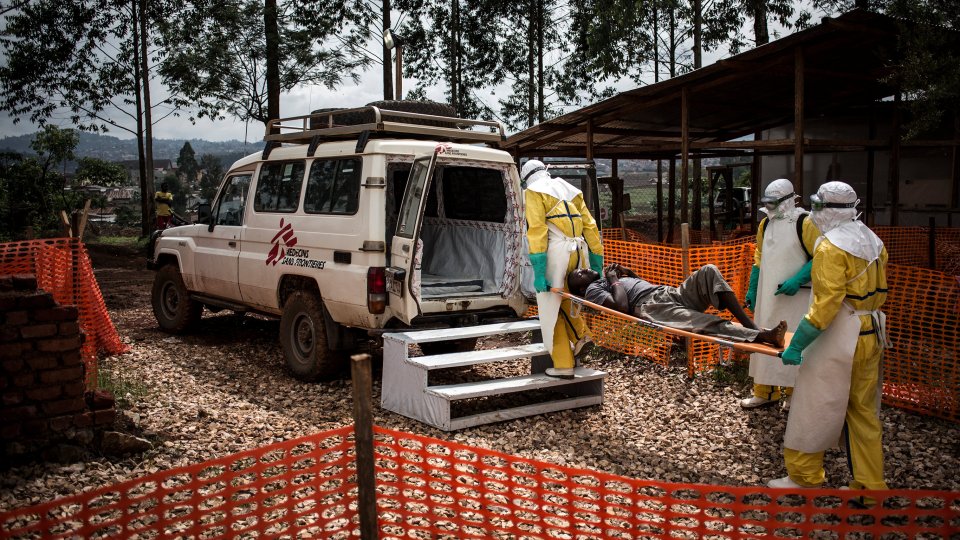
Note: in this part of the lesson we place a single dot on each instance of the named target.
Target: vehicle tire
(317, 123)
(175, 311)
(445, 347)
(303, 337)
(421, 107)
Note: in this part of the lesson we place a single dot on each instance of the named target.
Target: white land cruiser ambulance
(351, 223)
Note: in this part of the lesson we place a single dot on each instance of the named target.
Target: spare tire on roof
(367, 117)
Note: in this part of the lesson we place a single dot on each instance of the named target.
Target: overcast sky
(297, 102)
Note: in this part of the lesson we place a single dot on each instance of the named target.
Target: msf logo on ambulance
(285, 238)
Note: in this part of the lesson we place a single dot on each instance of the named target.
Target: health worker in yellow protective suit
(839, 347)
(562, 236)
(782, 263)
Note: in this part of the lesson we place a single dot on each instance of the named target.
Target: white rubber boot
(755, 402)
(561, 373)
(784, 483)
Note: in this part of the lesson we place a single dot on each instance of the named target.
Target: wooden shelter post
(871, 134)
(756, 172)
(798, 122)
(671, 198)
(588, 197)
(660, 200)
(894, 181)
(955, 194)
(684, 152)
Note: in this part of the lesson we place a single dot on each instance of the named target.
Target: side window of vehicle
(233, 200)
(278, 188)
(474, 194)
(333, 187)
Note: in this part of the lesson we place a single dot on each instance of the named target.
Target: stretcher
(736, 345)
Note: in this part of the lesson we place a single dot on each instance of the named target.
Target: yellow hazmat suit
(562, 236)
(841, 278)
(839, 346)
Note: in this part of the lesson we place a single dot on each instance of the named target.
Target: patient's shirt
(637, 290)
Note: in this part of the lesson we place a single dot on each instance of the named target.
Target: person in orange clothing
(562, 236)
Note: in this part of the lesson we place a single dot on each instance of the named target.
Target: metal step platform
(407, 389)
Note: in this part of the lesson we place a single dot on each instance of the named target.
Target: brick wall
(44, 402)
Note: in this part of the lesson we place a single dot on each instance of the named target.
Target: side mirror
(625, 204)
(203, 214)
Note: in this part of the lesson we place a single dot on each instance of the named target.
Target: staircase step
(493, 387)
(462, 422)
(485, 356)
(450, 334)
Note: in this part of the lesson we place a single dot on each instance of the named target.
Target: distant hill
(114, 149)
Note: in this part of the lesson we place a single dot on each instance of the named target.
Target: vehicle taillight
(376, 289)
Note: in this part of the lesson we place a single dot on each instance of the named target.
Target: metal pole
(399, 72)
(363, 436)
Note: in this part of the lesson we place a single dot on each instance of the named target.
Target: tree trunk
(147, 108)
(531, 66)
(272, 35)
(540, 90)
(387, 69)
(697, 31)
(656, 48)
(454, 53)
(673, 43)
(760, 33)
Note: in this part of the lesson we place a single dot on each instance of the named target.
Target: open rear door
(404, 300)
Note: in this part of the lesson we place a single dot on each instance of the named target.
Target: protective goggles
(817, 204)
(772, 203)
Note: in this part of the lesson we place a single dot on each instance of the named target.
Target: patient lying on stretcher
(677, 307)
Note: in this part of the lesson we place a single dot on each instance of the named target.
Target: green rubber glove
(539, 263)
(751, 299)
(792, 285)
(596, 263)
(804, 336)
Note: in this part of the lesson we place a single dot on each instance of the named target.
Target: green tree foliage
(94, 171)
(32, 188)
(211, 172)
(216, 52)
(187, 163)
(454, 44)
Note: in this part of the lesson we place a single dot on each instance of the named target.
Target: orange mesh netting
(429, 488)
(921, 370)
(911, 246)
(303, 487)
(63, 269)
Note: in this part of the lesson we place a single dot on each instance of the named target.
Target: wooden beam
(798, 122)
(684, 151)
(894, 180)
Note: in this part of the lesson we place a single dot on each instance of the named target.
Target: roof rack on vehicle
(350, 123)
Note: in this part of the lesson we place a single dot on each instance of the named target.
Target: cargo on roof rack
(351, 123)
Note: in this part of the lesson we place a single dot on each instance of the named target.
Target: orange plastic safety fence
(921, 371)
(428, 488)
(302, 487)
(63, 269)
(911, 246)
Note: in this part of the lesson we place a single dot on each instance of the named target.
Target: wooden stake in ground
(363, 435)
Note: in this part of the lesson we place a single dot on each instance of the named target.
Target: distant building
(161, 168)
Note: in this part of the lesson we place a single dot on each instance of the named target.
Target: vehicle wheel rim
(303, 338)
(170, 300)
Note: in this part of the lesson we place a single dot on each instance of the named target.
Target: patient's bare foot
(774, 336)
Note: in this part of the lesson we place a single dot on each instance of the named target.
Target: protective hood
(779, 200)
(856, 239)
(834, 204)
(532, 171)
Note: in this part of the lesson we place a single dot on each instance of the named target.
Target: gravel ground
(223, 389)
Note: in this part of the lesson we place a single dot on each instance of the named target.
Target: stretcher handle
(738, 345)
